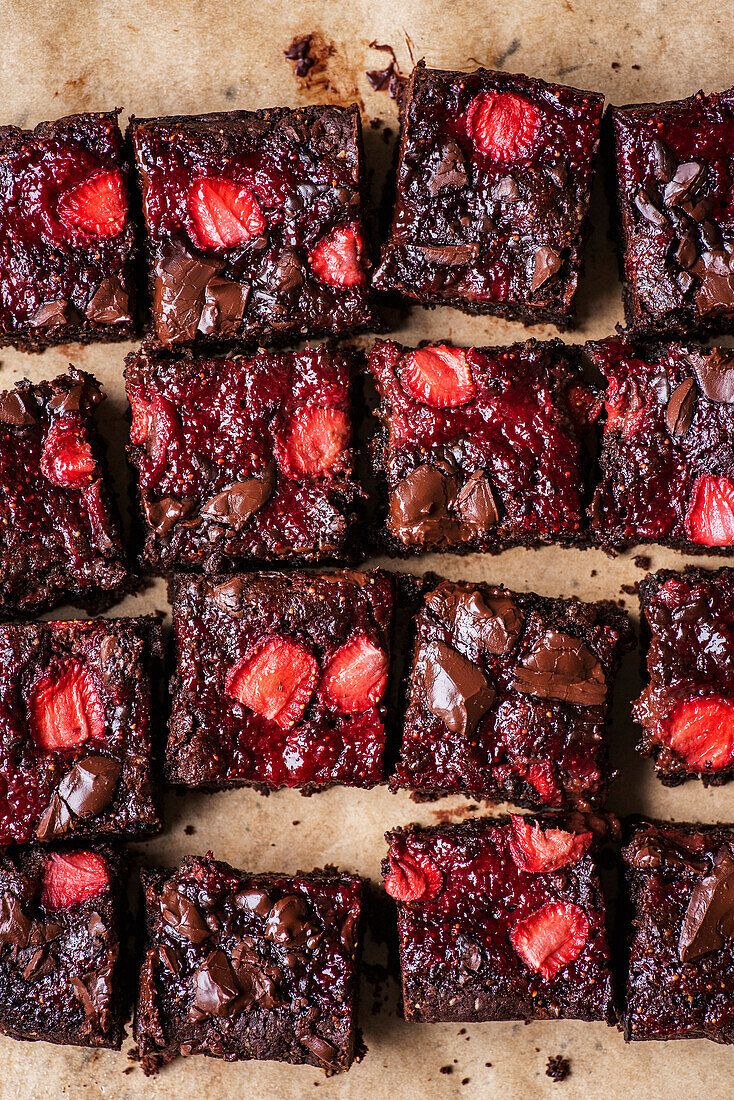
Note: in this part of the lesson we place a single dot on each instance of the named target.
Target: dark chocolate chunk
(560, 666)
(96, 925)
(178, 295)
(558, 173)
(715, 374)
(164, 514)
(94, 990)
(183, 917)
(15, 927)
(89, 787)
(506, 190)
(493, 622)
(235, 505)
(456, 690)
(224, 306)
(659, 383)
(287, 923)
(476, 505)
(67, 400)
(547, 264)
(14, 410)
(109, 303)
(419, 506)
(684, 182)
(51, 314)
(709, 919)
(215, 987)
(663, 162)
(256, 986)
(55, 820)
(687, 252)
(681, 407)
(452, 255)
(323, 1050)
(228, 595)
(256, 901)
(649, 210)
(716, 291)
(450, 171)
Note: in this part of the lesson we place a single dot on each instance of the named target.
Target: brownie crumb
(296, 822)
(642, 561)
(311, 53)
(300, 52)
(128, 1070)
(189, 830)
(446, 1069)
(465, 1080)
(594, 573)
(389, 79)
(558, 1068)
(630, 589)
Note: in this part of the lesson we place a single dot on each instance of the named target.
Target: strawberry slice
(276, 679)
(224, 214)
(536, 851)
(438, 376)
(65, 708)
(502, 125)
(355, 677)
(71, 879)
(142, 422)
(551, 937)
(413, 878)
(98, 206)
(314, 443)
(338, 259)
(710, 517)
(540, 777)
(67, 458)
(701, 731)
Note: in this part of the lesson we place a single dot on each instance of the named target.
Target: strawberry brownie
(240, 966)
(254, 224)
(280, 680)
(509, 695)
(687, 708)
(667, 458)
(482, 448)
(75, 728)
(493, 185)
(67, 241)
(680, 929)
(241, 459)
(59, 536)
(61, 914)
(673, 164)
(500, 920)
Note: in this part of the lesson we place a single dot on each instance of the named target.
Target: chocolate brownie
(493, 185)
(59, 537)
(509, 696)
(482, 448)
(680, 887)
(500, 920)
(242, 459)
(667, 458)
(254, 223)
(67, 241)
(673, 164)
(60, 919)
(241, 966)
(280, 680)
(687, 708)
(75, 728)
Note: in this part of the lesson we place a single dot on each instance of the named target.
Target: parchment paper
(188, 56)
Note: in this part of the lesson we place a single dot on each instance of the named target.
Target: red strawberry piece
(142, 421)
(541, 779)
(551, 937)
(413, 878)
(314, 443)
(65, 708)
(98, 206)
(438, 376)
(701, 731)
(536, 850)
(71, 879)
(67, 458)
(710, 516)
(276, 679)
(338, 259)
(502, 125)
(355, 677)
(224, 214)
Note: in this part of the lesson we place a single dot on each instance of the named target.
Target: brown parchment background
(187, 56)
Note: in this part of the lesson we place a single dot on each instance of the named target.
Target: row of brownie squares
(253, 221)
(497, 919)
(298, 680)
(246, 460)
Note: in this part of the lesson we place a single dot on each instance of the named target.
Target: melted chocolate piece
(419, 507)
(235, 506)
(67, 400)
(224, 306)
(649, 210)
(686, 253)
(15, 927)
(183, 917)
(716, 291)
(681, 407)
(476, 505)
(89, 787)
(451, 169)
(715, 374)
(287, 923)
(323, 1050)
(709, 919)
(228, 595)
(256, 984)
(256, 901)
(14, 410)
(506, 190)
(452, 255)
(164, 514)
(547, 264)
(109, 303)
(94, 990)
(178, 295)
(562, 667)
(664, 163)
(52, 314)
(683, 184)
(456, 690)
(215, 988)
(493, 622)
(55, 821)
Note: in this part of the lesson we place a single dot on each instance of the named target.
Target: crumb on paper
(630, 589)
(190, 830)
(311, 53)
(390, 79)
(558, 1068)
(446, 1069)
(642, 561)
(594, 573)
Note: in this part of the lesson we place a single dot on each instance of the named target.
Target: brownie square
(482, 448)
(243, 459)
(493, 184)
(254, 223)
(67, 240)
(75, 728)
(499, 920)
(673, 164)
(240, 966)
(508, 696)
(59, 538)
(60, 918)
(667, 457)
(680, 982)
(280, 680)
(686, 710)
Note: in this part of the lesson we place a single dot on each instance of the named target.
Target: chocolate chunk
(256, 986)
(348, 932)
(450, 171)
(15, 927)
(163, 515)
(663, 161)
(96, 926)
(169, 958)
(419, 507)
(684, 281)
(709, 919)
(178, 294)
(109, 303)
(711, 235)
(659, 384)
(35, 966)
(715, 374)
(472, 956)
(215, 987)
(14, 410)
(323, 1050)
(224, 306)
(649, 210)
(67, 400)
(558, 173)
(560, 666)
(55, 820)
(493, 622)
(51, 314)
(547, 264)
(450, 254)
(228, 596)
(234, 506)
(94, 990)
(684, 182)
(476, 505)
(687, 252)
(183, 917)
(506, 190)
(287, 923)
(681, 407)
(456, 690)
(90, 785)
(255, 901)
(716, 291)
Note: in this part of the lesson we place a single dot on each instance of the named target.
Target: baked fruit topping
(97, 206)
(65, 708)
(72, 878)
(710, 517)
(276, 680)
(314, 443)
(355, 677)
(551, 937)
(537, 850)
(438, 376)
(338, 259)
(413, 878)
(701, 731)
(67, 458)
(502, 125)
(224, 214)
